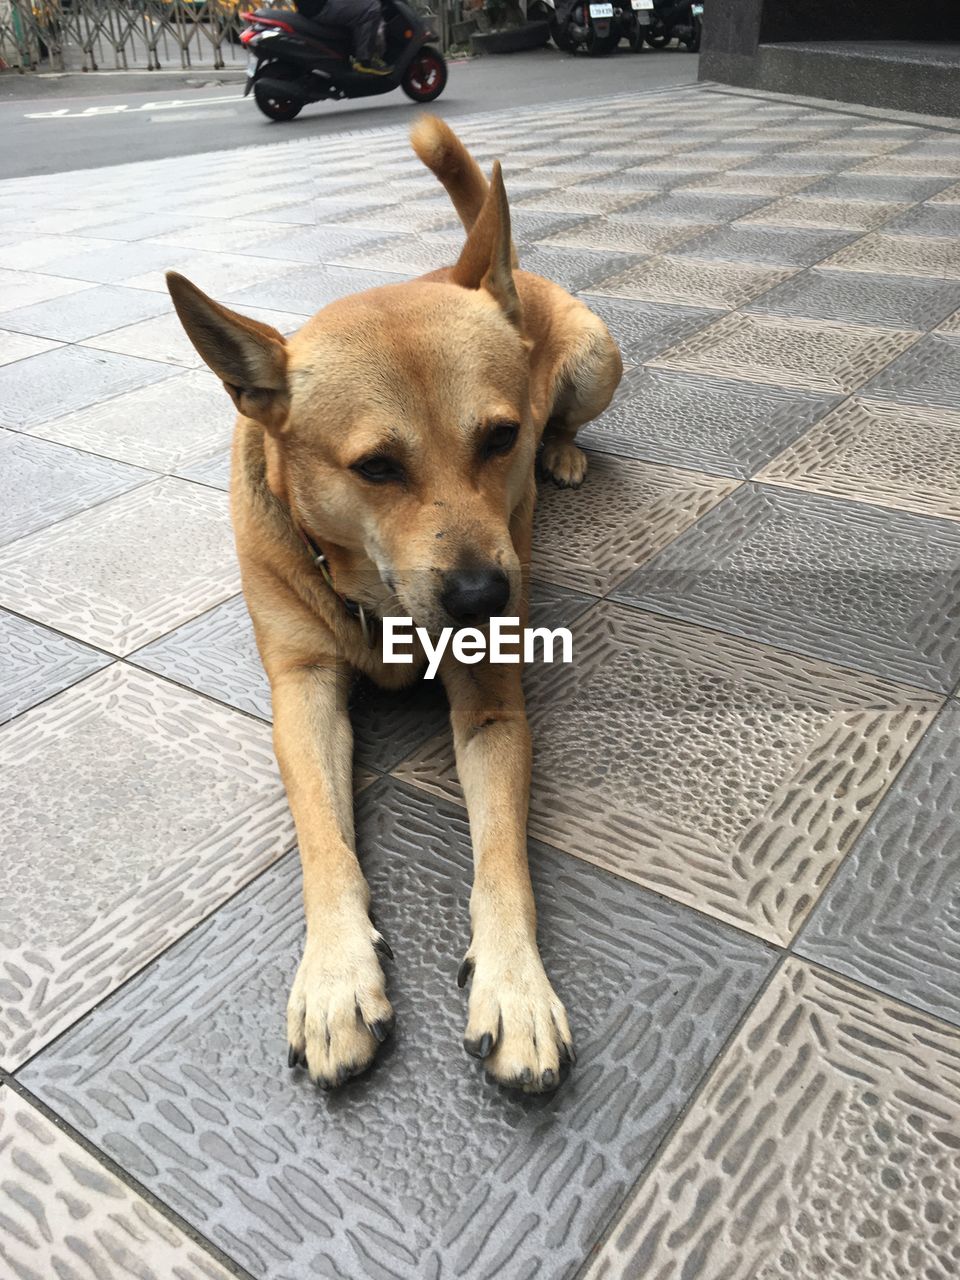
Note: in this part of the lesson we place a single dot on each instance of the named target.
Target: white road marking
(91, 113)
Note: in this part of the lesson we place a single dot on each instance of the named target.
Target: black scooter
(295, 60)
(672, 21)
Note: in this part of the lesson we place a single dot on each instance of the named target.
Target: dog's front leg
(516, 1022)
(338, 1010)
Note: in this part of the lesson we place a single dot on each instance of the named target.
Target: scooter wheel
(426, 76)
(658, 42)
(274, 106)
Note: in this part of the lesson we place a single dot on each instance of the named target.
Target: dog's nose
(474, 595)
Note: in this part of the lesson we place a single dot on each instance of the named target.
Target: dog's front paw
(564, 463)
(516, 1023)
(338, 1013)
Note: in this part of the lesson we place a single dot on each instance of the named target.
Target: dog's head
(398, 426)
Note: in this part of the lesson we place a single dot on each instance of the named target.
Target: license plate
(695, 9)
(601, 11)
(642, 4)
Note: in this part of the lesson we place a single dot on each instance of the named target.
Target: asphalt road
(82, 122)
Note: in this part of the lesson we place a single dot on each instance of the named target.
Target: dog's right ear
(250, 358)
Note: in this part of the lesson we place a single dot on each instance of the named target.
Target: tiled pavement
(744, 809)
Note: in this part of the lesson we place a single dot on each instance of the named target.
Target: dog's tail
(445, 155)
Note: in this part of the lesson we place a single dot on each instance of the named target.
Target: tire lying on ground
(531, 36)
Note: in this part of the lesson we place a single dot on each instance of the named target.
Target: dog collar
(353, 607)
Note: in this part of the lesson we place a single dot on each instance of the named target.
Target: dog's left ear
(250, 358)
(488, 258)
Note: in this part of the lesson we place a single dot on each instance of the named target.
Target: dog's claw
(568, 1053)
(465, 971)
(381, 1029)
(549, 1079)
(481, 1048)
(292, 1056)
(383, 948)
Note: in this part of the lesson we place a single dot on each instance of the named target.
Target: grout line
(122, 1175)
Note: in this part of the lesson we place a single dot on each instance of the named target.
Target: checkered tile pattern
(742, 818)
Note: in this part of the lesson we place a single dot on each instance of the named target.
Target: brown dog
(383, 463)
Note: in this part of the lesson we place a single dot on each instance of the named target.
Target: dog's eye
(378, 468)
(501, 439)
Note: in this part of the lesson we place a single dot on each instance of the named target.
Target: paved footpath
(744, 808)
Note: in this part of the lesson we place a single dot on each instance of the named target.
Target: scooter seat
(308, 27)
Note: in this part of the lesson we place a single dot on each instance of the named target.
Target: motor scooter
(637, 17)
(295, 60)
(671, 21)
(594, 26)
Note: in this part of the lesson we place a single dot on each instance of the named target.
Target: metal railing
(124, 35)
(100, 35)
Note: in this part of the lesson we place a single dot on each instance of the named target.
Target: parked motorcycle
(295, 60)
(671, 21)
(591, 26)
(637, 17)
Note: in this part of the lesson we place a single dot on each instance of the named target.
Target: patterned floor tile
(215, 654)
(214, 472)
(213, 272)
(862, 186)
(591, 538)
(888, 454)
(19, 346)
(82, 315)
(24, 288)
(735, 182)
(924, 165)
(183, 1072)
(163, 338)
(574, 269)
(408, 254)
(889, 917)
(928, 220)
(706, 208)
(67, 378)
(37, 251)
(310, 244)
(307, 289)
(428, 214)
(166, 801)
(874, 590)
(111, 262)
(65, 1214)
(901, 255)
(775, 246)
(810, 354)
(624, 235)
(129, 570)
(862, 298)
(825, 1144)
(811, 211)
(644, 329)
(701, 766)
(169, 426)
(693, 282)
(41, 483)
(38, 663)
(574, 200)
(711, 424)
(928, 374)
